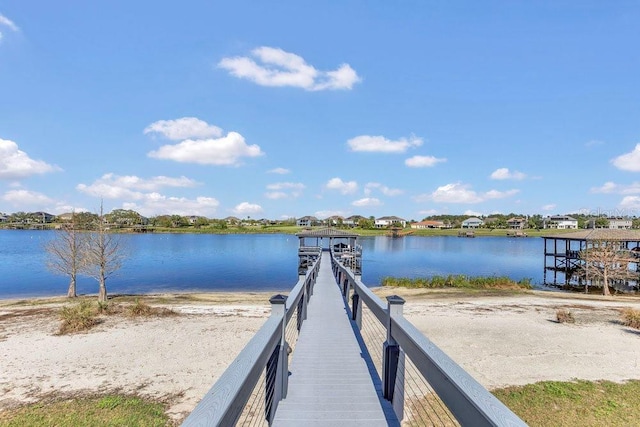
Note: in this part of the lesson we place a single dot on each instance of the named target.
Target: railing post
(277, 369)
(393, 360)
(356, 308)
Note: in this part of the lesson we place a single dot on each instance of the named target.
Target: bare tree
(606, 261)
(104, 255)
(66, 254)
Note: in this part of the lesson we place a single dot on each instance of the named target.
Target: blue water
(258, 262)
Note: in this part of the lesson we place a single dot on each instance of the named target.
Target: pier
(332, 353)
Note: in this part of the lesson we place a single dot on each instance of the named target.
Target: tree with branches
(66, 254)
(104, 255)
(605, 261)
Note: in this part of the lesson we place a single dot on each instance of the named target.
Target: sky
(292, 108)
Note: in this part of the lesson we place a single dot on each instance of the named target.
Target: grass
(77, 318)
(142, 309)
(576, 403)
(109, 410)
(458, 281)
(564, 316)
(631, 318)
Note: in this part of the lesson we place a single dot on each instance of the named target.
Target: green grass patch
(110, 410)
(575, 403)
(458, 281)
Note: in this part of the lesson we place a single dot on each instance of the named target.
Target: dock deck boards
(330, 382)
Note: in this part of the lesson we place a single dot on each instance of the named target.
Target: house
(334, 220)
(472, 222)
(387, 221)
(4, 217)
(560, 222)
(352, 221)
(428, 224)
(613, 223)
(307, 221)
(517, 223)
(42, 217)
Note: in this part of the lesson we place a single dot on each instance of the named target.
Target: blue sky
(292, 108)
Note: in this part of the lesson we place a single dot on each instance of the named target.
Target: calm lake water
(259, 262)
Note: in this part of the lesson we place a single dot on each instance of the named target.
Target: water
(258, 262)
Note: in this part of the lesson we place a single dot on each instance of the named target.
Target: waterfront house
(353, 220)
(560, 222)
(389, 221)
(427, 224)
(613, 223)
(307, 221)
(472, 222)
(517, 223)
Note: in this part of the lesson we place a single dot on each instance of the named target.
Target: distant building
(428, 224)
(472, 222)
(518, 223)
(307, 221)
(353, 220)
(614, 223)
(560, 222)
(387, 221)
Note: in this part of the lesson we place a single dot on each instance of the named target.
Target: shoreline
(508, 339)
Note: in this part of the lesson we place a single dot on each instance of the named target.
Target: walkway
(330, 382)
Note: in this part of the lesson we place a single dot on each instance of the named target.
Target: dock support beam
(277, 369)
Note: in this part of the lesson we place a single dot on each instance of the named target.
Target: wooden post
(393, 360)
(277, 369)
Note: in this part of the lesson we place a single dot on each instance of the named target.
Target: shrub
(140, 308)
(564, 316)
(631, 318)
(77, 318)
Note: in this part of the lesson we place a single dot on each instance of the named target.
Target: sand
(507, 340)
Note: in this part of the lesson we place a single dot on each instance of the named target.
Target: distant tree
(66, 253)
(124, 217)
(178, 221)
(601, 222)
(605, 261)
(104, 255)
(635, 223)
(85, 220)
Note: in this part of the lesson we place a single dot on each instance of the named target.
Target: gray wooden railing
(266, 353)
(469, 402)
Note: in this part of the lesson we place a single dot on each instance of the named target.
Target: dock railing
(425, 386)
(249, 390)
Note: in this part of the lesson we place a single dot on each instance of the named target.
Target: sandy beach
(500, 340)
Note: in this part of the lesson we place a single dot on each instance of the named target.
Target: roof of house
(390, 218)
(326, 232)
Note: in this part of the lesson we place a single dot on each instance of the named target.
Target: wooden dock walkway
(332, 380)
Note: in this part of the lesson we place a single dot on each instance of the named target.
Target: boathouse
(562, 259)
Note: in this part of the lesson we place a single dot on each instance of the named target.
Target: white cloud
(383, 189)
(111, 186)
(22, 198)
(278, 68)
(157, 204)
(613, 188)
(462, 193)
(629, 161)
(429, 212)
(294, 189)
(343, 187)
(226, 150)
(630, 202)
(184, 128)
(279, 171)
(380, 144)
(472, 213)
(15, 163)
(6, 22)
(367, 202)
(246, 208)
(549, 207)
(423, 161)
(505, 173)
